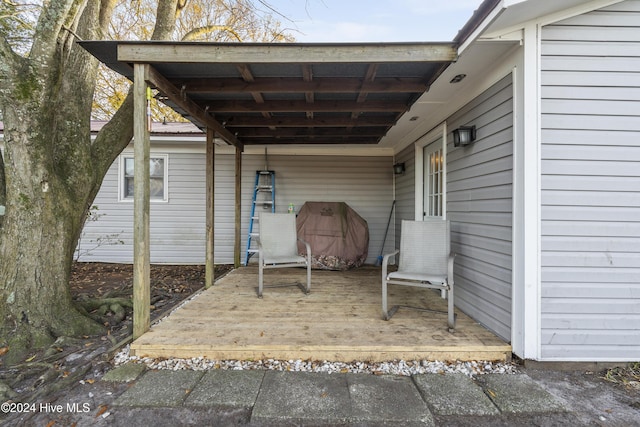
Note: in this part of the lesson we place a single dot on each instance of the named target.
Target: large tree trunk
(52, 169)
(49, 181)
(42, 221)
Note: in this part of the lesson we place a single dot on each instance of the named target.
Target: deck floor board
(340, 320)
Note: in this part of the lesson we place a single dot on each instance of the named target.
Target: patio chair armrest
(306, 244)
(385, 259)
(385, 263)
(450, 268)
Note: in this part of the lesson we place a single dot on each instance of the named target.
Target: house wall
(405, 190)
(177, 226)
(591, 186)
(479, 205)
(480, 208)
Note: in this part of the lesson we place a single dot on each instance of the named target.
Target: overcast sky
(375, 20)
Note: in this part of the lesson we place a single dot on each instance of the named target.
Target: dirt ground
(69, 372)
(53, 371)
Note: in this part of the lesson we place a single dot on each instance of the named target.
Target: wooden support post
(210, 192)
(238, 224)
(141, 195)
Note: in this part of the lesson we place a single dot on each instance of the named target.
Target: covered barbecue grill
(338, 236)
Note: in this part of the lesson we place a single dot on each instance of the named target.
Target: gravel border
(396, 367)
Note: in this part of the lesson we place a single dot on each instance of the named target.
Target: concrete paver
(518, 394)
(270, 398)
(160, 388)
(386, 399)
(454, 394)
(293, 397)
(234, 389)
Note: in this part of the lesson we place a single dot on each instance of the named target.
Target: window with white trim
(157, 177)
(434, 180)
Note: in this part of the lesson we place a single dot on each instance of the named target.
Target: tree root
(94, 304)
(46, 388)
(109, 311)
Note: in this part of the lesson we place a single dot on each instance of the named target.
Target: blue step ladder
(264, 198)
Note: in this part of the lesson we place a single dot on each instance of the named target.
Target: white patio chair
(425, 262)
(278, 247)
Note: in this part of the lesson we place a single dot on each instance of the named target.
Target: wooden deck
(340, 320)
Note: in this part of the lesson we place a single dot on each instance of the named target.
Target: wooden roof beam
(369, 77)
(303, 106)
(263, 132)
(191, 108)
(247, 76)
(240, 122)
(284, 53)
(295, 85)
(307, 76)
(313, 140)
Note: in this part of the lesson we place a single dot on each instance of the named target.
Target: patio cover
(284, 93)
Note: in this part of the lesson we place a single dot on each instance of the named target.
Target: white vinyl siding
(178, 226)
(405, 191)
(591, 186)
(479, 206)
(364, 183)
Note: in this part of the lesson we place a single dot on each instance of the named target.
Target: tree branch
(55, 15)
(116, 135)
(9, 64)
(166, 15)
(197, 32)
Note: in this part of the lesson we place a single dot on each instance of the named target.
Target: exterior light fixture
(457, 78)
(398, 168)
(464, 135)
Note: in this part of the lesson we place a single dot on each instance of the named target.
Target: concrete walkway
(272, 398)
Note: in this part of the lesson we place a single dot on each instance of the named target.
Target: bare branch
(198, 32)
(8, 64)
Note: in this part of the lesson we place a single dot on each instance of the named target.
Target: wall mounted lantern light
(398, 168)
(464, 135)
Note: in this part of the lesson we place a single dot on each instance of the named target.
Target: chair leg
(385, 312)
(308, 276)
(260, 279)
(451, 317)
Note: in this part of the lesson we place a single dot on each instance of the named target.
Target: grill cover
(338, 236)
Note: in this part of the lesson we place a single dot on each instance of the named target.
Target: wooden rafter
(247, 76)
(307, 76)
(303, 106)
(261, 132)
(304, 122)
(295, 85)
(331, 140)
(194, 110)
